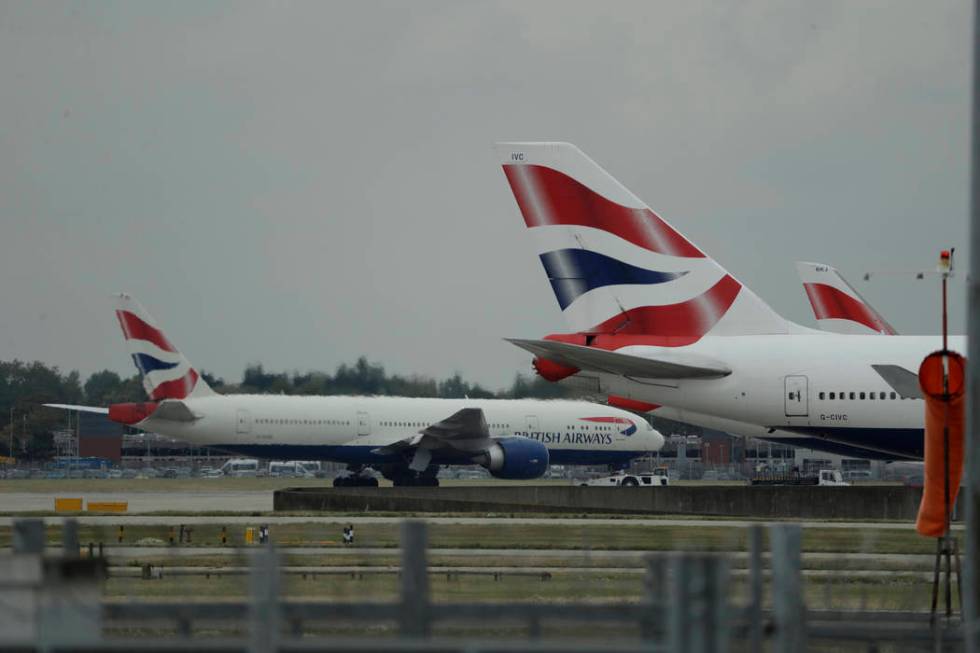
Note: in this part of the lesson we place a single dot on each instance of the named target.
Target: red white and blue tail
(166, 373)
(616, 266)
(838, 307)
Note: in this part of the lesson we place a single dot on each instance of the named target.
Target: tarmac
(216, 500)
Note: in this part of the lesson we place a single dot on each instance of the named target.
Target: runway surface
(179, 501)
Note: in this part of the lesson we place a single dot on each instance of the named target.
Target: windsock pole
(941, 377)
(971, 603)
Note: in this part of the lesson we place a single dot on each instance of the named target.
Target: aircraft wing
(465, 431)
(902, 381)
(663, 366)
(81, 409)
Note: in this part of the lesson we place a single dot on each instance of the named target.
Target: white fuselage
(815, 385)
(348, 429)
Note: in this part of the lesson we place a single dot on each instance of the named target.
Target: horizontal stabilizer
(174, 411)
(81, 409)
(666, 365)
(902, 381)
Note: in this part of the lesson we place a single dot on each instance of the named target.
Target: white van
(239, 467)
(293, 469)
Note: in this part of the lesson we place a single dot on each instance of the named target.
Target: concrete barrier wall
(855, 502)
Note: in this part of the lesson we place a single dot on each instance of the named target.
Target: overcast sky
(299, 184)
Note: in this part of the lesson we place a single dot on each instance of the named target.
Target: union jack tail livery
(838, 307)
(615, 266)
(166, 373)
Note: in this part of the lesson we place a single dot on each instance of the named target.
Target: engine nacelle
(517, 458)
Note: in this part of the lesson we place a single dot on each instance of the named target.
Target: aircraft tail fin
(837, 306)
(614, 265)
(165, 372)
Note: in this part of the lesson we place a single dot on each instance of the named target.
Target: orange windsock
(941, 376)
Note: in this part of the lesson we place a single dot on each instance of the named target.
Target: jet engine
(516, 458)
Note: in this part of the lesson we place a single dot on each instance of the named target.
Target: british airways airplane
(656, 323)
(837, 306)
(406, 439)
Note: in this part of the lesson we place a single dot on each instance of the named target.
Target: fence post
(755, 588)
(788, 608)
(655, 585)
(70, 538)
(28, 536)
(414, 580)
(265, 612)
(698, 618)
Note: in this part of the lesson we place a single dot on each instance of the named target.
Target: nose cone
(643, 436)
(655, 441)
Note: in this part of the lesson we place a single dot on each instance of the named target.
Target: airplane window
(871, 396)
(893, 395)
(832, 395)
(881, 395)
(852, 396)
(821, 395)
(862, 395)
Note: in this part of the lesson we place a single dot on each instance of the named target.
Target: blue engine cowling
(517, 458)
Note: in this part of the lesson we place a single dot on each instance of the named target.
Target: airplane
(655, 320)
(405, 439)
(837, 306)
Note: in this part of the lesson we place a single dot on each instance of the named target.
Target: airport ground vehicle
(825, 477)
(240, 467)
(628, 480)
(293, 468)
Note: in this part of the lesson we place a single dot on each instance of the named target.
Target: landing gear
(402, 476)
(355, 477)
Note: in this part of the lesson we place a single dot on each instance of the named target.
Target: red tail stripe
(676, 324)
(546, 197)
(136, 329)
(830, 303)
(176, 389)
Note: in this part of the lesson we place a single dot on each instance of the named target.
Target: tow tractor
(623, 479)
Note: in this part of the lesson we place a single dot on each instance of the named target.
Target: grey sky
(299, 184)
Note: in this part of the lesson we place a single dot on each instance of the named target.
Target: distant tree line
(25, 386)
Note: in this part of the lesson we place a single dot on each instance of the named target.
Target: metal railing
(686, 607)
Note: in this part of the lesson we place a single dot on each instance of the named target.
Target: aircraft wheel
(630, 481)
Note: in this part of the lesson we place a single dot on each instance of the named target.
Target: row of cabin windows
(310, 422)
(859, 395)
(420, 424)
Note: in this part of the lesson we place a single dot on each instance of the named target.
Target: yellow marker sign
(67, 505)
(108, 506)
